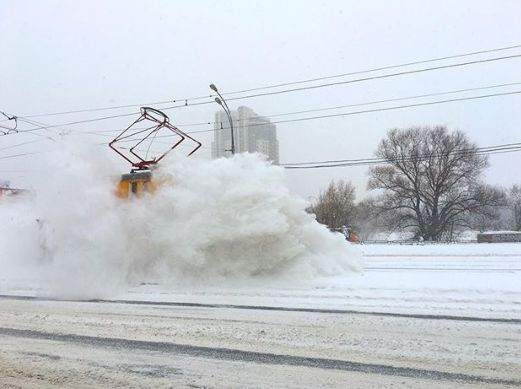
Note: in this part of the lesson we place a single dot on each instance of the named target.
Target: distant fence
(499, 237)
(416, 242)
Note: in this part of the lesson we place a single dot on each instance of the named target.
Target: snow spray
(210, 222)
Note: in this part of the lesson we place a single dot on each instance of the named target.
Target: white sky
(67, 55)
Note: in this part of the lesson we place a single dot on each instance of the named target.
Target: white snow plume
(234, 218)
(211, 222)
(19, 245)
(82, 243)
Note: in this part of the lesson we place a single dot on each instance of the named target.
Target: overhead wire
(348, 114)
(387, 67)
(373, 110)
(414, 71)
(272, 86)
(19, 155)
(509, 147)
(103, 132)
(317, 117)
(20, 144)
(8, 129)
(42, 126)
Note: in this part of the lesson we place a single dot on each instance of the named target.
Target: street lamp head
(218, 101)
(213, 87)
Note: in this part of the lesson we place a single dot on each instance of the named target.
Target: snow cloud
(211, 222)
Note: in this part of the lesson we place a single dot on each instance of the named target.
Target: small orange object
(136, 184)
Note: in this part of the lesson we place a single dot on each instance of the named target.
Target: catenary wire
(102, 132)
(373, 110)
(414, 71)
(308, 118)
(512, 147)
(387, 67)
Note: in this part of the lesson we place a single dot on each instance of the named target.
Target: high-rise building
(252, 133)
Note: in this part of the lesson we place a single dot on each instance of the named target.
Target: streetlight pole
(220, 100)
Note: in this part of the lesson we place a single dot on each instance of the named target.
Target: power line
(388, 67)
(349, 114)
(375, 77)
(374, 110)
(369, 161)
(372, 70)
(459, 151)
(395, 99)
(103, 132)
(305, 88)
(19, 155)
(345, 113)
(8, 129)
(378, 162)
(356, 80)
(77, 122)
(509, 147)
(21, 144)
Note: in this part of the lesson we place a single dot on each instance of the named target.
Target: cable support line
(41, 126)
(383, 162)
(511, 147)
(394, 99)
(372, 110)
(78, 122)
(467, 150)
(354, 80)
(388, 67)
(497, 149)
(211, 96)
(376, 77)
(376, 162)
(386, 162)
(9, 130)
(20, 144)
(363, 111)
(19, 155)
(100, 109)
(37, 124)
(132, 114)
(294, 89)
(99, 132)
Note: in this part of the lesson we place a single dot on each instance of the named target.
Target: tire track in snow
(275, 308)
(446, 269)
(255, 357)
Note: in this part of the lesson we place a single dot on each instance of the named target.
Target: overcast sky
(66, 55)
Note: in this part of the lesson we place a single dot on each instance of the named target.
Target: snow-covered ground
(482, 280)
(458, 279)
(421, 316)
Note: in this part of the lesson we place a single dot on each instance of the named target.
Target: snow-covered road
(110, 344)
(418, 316)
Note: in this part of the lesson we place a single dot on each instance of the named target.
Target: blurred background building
(252, 133)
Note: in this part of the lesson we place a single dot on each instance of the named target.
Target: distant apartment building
(252, 133)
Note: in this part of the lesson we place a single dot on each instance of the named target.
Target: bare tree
(489, 217)
(335, 207)
(432, 180)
